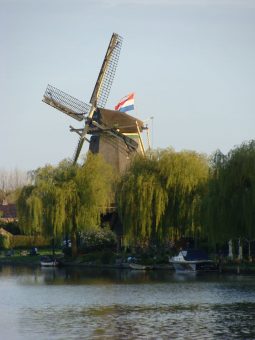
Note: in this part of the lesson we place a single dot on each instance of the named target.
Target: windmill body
(113, 134)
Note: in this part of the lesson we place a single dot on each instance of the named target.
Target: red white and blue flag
(126, 103)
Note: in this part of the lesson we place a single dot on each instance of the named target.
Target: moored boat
(192, 261)
(48, 261)
(138, 266)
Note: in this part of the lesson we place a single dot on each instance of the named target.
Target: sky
(191, 64)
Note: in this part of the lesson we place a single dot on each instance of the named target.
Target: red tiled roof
(4, 232)
(8, 211)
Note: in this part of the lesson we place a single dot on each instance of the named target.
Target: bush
(98, 239)
(67, 252)
(94, 258)
(107, 257)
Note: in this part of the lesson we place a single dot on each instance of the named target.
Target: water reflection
(99, 276)
(85, 303)
(161, 322)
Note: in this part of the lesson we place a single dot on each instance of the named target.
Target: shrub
(107, 257)
(67, 252)
(98, 239)
(94, 257)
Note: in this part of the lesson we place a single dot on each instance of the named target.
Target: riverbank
(16, 260)
(22, 257)
(19, 260)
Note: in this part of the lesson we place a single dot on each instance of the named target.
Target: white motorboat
(192, 261)
(48, 261)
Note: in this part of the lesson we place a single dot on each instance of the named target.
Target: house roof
(8, 211)
(4, 232)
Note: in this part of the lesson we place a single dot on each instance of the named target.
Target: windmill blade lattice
(103, 85)
(110, 129)
(65, 103)
(106, 75)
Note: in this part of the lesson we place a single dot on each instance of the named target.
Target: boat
(48, 261)
(192, 260)
(138, 266)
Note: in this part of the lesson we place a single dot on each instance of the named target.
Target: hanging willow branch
(67, 198)
(230, 202)
(160, 196)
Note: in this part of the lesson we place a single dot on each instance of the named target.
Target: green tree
(230, 203)
(24, 212)
(141, 200)
(160, 196)
(186, 175)
(67, 198)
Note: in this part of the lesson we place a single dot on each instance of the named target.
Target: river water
(38, 303)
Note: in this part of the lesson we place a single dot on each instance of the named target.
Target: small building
(5, 233)
(8, 212)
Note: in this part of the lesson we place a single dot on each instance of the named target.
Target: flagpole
(152, 132)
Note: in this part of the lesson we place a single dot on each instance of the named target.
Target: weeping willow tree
(186, 175)
(41, 206)
(213, 203)
(141, 200)
(160, 196)
(95, 193)
(25, 215)
(66, 198)
(231, 196)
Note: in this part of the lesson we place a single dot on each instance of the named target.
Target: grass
(244, 267)
(18, 258)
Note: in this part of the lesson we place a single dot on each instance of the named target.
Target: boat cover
(195, 254)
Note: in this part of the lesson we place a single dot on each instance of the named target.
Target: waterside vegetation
(161, 199)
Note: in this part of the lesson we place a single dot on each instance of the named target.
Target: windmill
(114, 134)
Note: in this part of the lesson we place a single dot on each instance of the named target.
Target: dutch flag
(126, 103)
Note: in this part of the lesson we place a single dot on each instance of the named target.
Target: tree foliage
(160, 195)
(230, 202)
(66, 198)
(163, 196)
(141, 199)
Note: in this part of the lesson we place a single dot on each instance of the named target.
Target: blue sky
(191, 64)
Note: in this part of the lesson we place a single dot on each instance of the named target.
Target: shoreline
(34, 261)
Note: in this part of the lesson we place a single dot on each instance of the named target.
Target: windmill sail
(106, 75)
(114, 134)
(103, 85)
(78, 149)
(65, 103)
